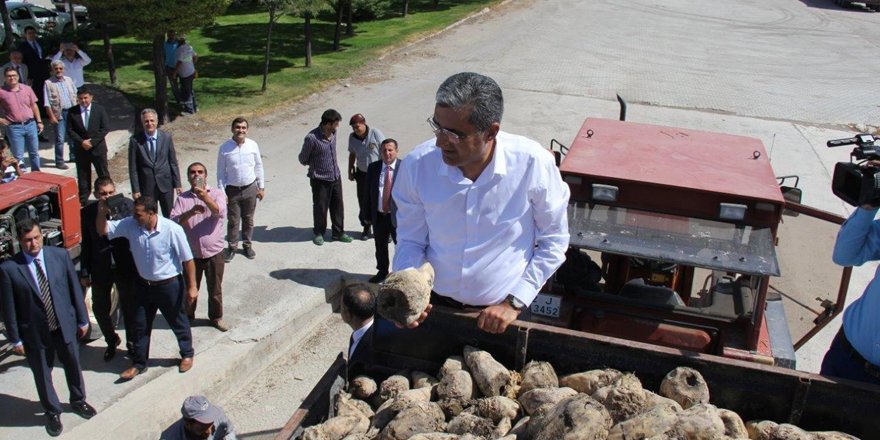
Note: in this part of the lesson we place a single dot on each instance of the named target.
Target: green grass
(231, 55)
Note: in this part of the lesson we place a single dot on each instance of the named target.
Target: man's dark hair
(25, 226)
(199, 164)
(330, 116)
(479, 93)
(83, 91)
(29, 28)
(102, 181)
(8, 69)
(359, 300)
(239, 120)
(388, 141)
(149, 204)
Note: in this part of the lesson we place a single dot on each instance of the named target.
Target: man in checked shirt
(240, 175)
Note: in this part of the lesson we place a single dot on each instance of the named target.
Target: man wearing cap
(201, 420)
(363, 149)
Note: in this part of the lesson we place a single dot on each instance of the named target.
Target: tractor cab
(674, 238)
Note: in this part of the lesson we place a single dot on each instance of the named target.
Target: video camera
(854, 182)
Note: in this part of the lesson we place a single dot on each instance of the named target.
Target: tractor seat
(657, 295)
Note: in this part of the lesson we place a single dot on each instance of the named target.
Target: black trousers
(327, 195)
(383, 229)
(165, 199)
(103, 304)
(360, 178)
(41, 362)
(85, 160)
(170, 299)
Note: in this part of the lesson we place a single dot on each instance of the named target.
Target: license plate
(547, 305)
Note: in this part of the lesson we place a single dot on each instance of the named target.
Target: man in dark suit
(381, 175)
(152, 163)
(45, 314)
(357, 308)
(87, 124)
(36, 59)
(106, 263)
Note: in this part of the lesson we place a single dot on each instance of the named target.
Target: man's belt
(241, 187)
(160, 282)
(21, 123)
(871, 369)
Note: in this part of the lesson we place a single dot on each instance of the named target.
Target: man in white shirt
(74, 60)
(186, 72)
(486, 208)
(357, 307)
(240, 174)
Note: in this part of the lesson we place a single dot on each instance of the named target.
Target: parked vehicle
(45, 21)
(16, 33)
(82, 13)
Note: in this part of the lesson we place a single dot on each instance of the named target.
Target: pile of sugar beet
(475, 397)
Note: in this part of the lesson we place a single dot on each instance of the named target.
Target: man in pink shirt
(21, 117)
(200, 211)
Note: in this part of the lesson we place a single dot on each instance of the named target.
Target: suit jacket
(97, 129)
(146, 173)
(359, 362)
(99, 253)
(373, 173)
(22, 308)
(38, 67)
(23, 76)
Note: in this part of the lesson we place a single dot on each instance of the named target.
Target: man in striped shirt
(319, 154)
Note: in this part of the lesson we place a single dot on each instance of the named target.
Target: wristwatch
(514, 302)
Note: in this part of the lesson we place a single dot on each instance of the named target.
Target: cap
(199, 409)
(357, 118)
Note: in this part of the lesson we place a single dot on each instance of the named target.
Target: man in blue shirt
(171, 64)
(161, 254)
(855, 352)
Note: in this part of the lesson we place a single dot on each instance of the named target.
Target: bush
(364, 10)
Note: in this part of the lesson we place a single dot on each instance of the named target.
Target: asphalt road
(791, 73)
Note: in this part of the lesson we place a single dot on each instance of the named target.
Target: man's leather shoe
(366, 234)
(229, 254)
(83, 409)
(220, 324)
(53, 425)
(379, 277)
(110, 352)
(131, 372)
(185, 365)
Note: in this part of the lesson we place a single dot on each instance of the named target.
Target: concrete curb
(218, 373)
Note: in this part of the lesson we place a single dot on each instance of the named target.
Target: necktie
(37, 49)
(46, 296)
(152, 148)
(350, 344)
(86, 117)
(386, 191)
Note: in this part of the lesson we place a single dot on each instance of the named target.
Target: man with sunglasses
(486, 208)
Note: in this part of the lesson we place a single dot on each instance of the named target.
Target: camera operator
(855, 352)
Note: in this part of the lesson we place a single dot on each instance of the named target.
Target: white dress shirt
(239, 165)
(74, 69)
(382, 180)
(505, 233)
(356, 337)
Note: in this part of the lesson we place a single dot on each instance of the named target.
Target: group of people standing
(155, 261)
(372, 165)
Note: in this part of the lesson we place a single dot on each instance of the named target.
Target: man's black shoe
(229, 254)
(83, 409)
(249, 252)
(379, 277)
(53, 425)
(110, 352)
(366, 234)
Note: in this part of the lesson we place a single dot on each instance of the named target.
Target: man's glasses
(452, 137)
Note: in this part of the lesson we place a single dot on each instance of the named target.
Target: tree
(7, 26)
(276, 9)
(150, 20)
(405, 7)
(308, 9)
(339, 6)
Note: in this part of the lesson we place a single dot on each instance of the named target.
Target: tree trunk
(108, 49)
(308, 26)
(72, 14)
(159, 75)
(268, 48)
(405, 7)
(349, 26)
(436, 4)
(7, 26)
(337, 33)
